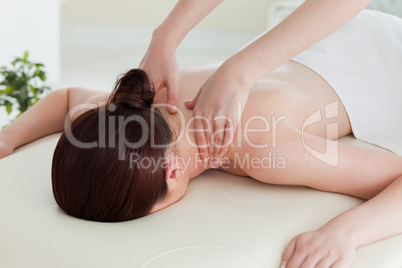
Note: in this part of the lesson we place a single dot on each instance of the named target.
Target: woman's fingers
(300, 254)
(341, 263)
(326, 262)
(296, 260)
(288, 253)
(319, 249)
(311, 260)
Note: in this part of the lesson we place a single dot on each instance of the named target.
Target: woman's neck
(184, 145)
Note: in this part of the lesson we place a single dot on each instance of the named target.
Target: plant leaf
(20, 86)
(9, 89)
(26, 54)
(9, 108)
(42, 76)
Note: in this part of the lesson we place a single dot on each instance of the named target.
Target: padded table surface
(222, 221)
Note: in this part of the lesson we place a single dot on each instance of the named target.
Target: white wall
(232, 15)
(390, 6)
(31, 25)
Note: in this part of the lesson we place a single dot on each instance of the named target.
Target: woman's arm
(45, 117)
(336, 241)
(342, 168)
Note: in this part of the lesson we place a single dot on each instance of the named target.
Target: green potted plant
(22, 85)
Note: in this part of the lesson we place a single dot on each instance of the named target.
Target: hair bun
(133, 89)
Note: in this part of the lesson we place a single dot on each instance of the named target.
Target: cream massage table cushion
(222, 221)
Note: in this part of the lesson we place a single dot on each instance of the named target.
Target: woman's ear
(174, 169)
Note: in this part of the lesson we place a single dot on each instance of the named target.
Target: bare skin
(278, 107)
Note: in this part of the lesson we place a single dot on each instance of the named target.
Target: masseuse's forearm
(184, 16)
(311, 22)
(377, 219)
(44, 118)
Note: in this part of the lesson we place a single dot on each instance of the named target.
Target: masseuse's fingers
(160, 64)
(190, 104)
(217, 101)
(227, 138)
(217, 138)
(201, 138)
(201, 126)
(208, 130)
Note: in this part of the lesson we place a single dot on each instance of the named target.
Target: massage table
(222, 221)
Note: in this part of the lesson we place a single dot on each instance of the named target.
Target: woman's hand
(218, 108)
(161, 65)
(324, 248)
(6, 148)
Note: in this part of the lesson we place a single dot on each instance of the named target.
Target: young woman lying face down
(126, 173)
(117, 180)
(124, 156)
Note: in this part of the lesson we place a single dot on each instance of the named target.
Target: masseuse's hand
(217, 110)
(161, 65)
(324, 248)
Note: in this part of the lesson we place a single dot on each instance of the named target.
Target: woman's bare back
(288, 132)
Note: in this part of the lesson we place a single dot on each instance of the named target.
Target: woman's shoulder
(82, 99)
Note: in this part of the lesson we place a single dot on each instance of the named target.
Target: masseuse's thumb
(172, 97)
(190, 104)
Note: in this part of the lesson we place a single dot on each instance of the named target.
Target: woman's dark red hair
(94, 183)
